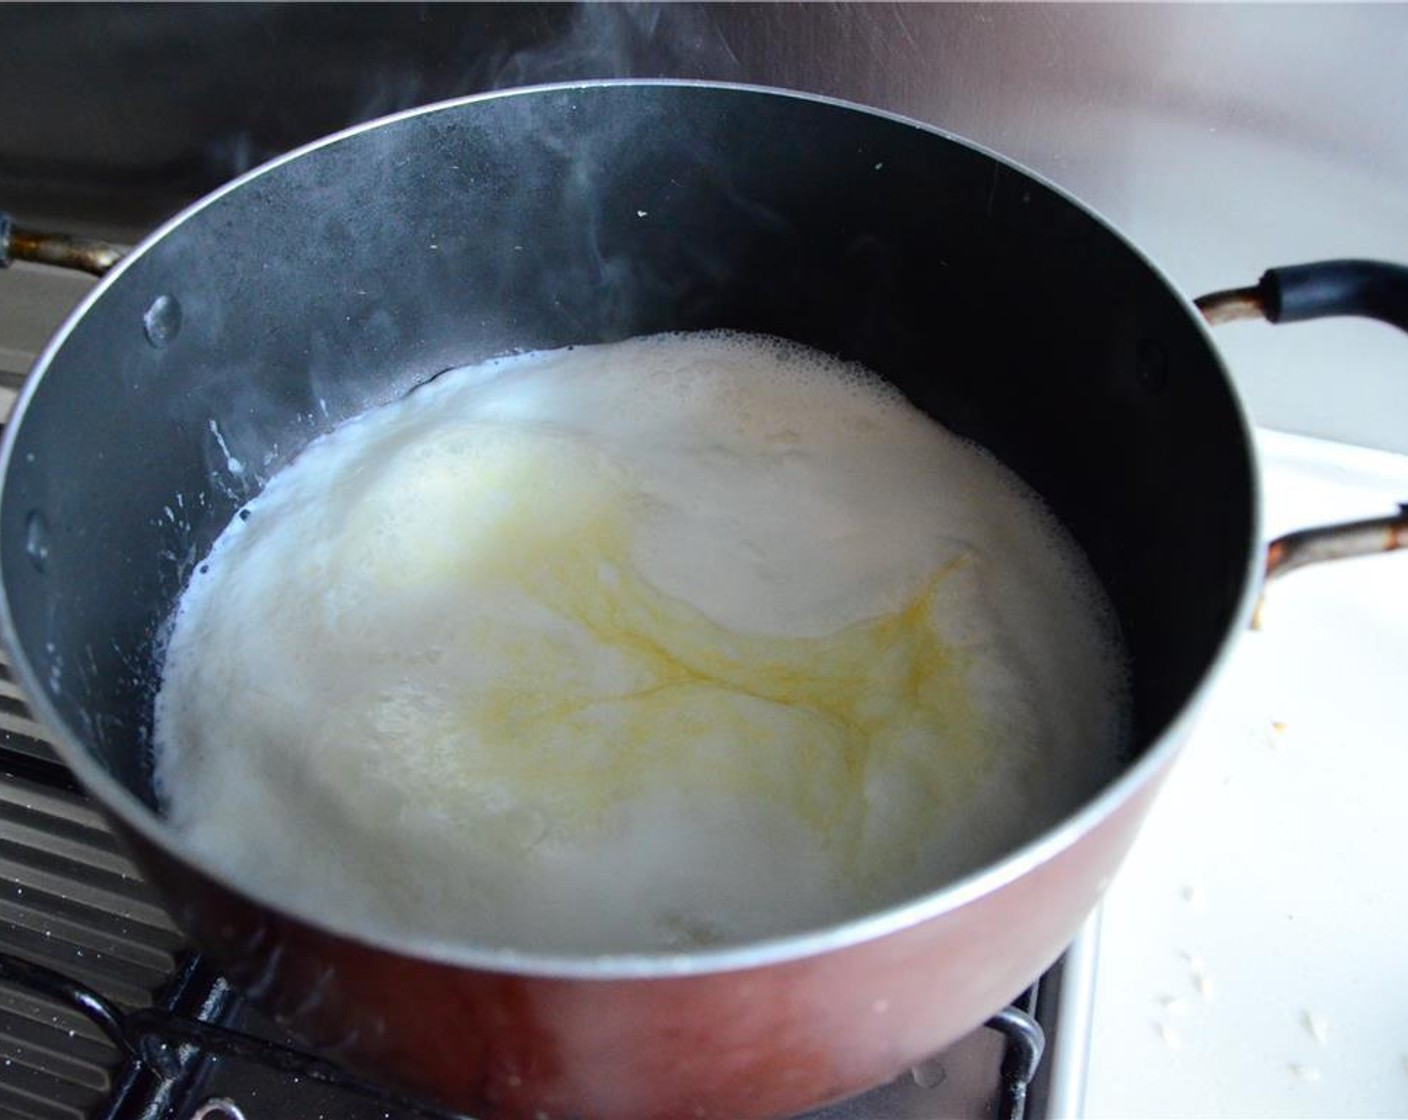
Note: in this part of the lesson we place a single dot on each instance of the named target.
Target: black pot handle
(1371, 289)
(82, 253)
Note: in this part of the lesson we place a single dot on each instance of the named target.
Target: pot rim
(134, 814)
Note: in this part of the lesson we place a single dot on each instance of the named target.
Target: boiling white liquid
(685, 640)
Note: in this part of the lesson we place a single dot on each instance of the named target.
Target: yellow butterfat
(804, 723)
(801, 721)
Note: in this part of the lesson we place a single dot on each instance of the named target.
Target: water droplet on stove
(162, 320)
(36, 539)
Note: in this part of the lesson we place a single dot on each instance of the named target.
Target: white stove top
(1252, 955)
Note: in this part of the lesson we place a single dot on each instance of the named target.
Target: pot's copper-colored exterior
(760, 1042)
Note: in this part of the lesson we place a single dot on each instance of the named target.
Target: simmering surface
(685, 640)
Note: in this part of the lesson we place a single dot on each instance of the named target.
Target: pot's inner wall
(344, 277)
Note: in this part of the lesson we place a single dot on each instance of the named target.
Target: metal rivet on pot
(36, 539)
(1151, 365)
(162, 320)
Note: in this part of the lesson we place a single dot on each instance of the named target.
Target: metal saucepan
(344, 274)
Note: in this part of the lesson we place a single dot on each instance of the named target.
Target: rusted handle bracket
(1292, 294)
(1332, 542)
(1337, 542)
(1326, 289)
(82, 253)
(1231, 306)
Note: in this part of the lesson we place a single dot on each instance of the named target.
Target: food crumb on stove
(1168, 1035)
(1317, 1026)
(1305, 1072)
(1203, 983)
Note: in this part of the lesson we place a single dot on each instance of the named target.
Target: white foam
(687, 639)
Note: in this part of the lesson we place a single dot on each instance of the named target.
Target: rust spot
(1275, 557)
(1332, 542)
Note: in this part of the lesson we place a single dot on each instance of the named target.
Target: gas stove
(1246, 961)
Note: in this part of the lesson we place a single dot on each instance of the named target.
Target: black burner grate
(69, 900)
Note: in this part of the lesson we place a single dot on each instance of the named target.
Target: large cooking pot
(344, 274)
